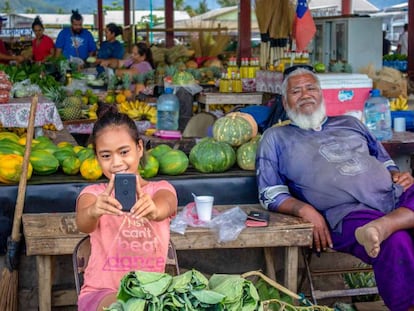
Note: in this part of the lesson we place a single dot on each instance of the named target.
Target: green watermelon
(149, 167)
(173, 162)
(211, 156)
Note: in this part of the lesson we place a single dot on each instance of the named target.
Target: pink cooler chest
(344, 92)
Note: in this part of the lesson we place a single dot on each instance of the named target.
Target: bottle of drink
(377, 116)
(168, 109)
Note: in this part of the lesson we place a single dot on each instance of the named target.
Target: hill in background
(52, 6)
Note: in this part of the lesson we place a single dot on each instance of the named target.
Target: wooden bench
(49, 235)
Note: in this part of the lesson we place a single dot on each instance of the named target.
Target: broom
(10, 278)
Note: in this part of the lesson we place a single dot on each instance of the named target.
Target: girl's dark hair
(108, 115)
(37, 22)
(75, 16)
(144, 49)
(114, 28)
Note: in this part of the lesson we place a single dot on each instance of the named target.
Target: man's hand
(402, 178)
(321, 236)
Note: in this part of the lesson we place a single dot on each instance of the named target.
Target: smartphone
(126, 190)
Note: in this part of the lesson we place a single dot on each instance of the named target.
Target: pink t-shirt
(121, 244)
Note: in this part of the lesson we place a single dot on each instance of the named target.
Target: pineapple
(71, 108)
(56, 94)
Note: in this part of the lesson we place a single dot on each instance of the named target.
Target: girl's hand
(404, 179)
(145, 206)
(105, 203)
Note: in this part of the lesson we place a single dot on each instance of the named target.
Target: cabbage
(183, 78)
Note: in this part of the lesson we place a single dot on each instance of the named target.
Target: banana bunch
(399, 103)
(139, 110)
(224, 108)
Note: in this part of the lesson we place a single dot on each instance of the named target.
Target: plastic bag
(25, 89)
(229, 224)
(226, 225)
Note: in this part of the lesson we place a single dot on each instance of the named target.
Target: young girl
(121, 241)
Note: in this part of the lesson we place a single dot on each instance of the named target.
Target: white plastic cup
(204, 207)
(399, 125)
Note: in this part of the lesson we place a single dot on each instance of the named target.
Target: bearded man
(333, 173)
(75, 41)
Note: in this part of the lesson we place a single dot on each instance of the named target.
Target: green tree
(60, 11)
(202, 7)
(115, 6)
(179, 5)
(30, 10)
(226, 3)
(189, 9)
(7, 7)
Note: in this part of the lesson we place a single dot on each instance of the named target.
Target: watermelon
(234, 130)
(246, 154)
(211, 156)
(149, 167)
(173, 162)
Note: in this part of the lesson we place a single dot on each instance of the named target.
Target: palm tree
(202, 7)
(179, 5)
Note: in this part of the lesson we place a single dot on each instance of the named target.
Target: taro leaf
(208, 296)
(199, 281)
(116, 306)
(129, 287)
(154, 283)
(229, 285)
(135, 304)
(180, 283)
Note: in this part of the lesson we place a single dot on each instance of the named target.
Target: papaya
(11, 168)
(43, 162)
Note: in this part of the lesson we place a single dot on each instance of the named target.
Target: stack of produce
(5, 87)
(46, 158)
(235, 140)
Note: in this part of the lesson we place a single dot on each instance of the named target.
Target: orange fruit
(127, 93)
(120, 98)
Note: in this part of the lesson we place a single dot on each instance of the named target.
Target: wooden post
(169, 23)
(244, 46)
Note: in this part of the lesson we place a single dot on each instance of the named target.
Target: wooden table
(401, 148)
(49, 235)
(212, 98)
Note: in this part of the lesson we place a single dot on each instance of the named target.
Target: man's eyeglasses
(293, 68)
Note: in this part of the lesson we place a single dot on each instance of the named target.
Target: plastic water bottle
(377, 116)
(168, 109)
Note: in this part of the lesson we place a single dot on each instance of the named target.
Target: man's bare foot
(369, 237)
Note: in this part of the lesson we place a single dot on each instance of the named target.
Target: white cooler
(344, 92)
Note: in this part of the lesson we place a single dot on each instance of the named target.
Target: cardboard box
(344, 93)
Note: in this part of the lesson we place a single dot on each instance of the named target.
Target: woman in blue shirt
(111, 48)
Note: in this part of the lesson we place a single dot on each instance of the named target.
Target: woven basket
(304, 304)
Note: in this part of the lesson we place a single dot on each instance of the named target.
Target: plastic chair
(82, 251)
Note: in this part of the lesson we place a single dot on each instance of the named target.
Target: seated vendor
(5, 55)
(332, 172)
(140, 61)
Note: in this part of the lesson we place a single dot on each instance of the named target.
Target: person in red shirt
(42, 45)
(5, 56)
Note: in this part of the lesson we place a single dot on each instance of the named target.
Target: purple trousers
(394, 266)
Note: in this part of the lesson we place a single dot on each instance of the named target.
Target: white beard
(307, 122)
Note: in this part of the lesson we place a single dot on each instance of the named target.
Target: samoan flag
(303, 27)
